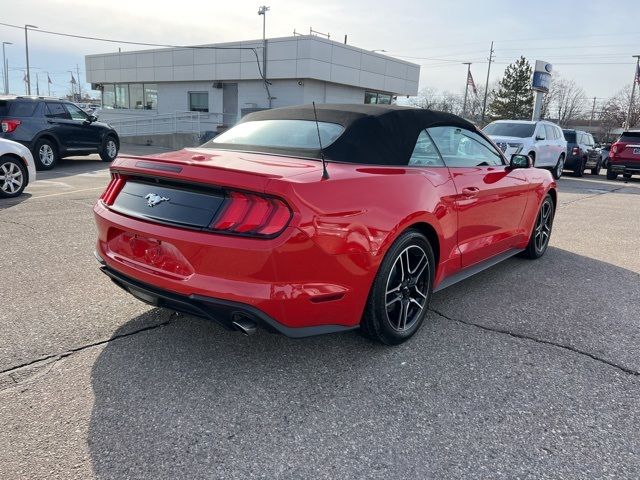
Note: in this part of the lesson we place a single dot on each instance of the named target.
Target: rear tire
(596, 169)
(611, 175)
(109, 149)
(539, 240)
(557, 170)
(626, 176)
(579, 171)
(13, 177)
(401, 292)
(45, 154)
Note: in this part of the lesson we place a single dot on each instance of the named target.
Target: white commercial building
(224, 82)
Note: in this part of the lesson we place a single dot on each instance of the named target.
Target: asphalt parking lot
(528, 370)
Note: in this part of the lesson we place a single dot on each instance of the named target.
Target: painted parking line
(35, 197)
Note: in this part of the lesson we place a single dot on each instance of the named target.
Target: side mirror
(93, 118)
(520, 161)
(538, 137)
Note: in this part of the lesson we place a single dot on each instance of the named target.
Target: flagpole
(466, 90)
(636, 78)
(48, 85)
(37, 85)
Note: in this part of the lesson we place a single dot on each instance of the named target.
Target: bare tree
(568, 99)
(614, 112)
(426, 98)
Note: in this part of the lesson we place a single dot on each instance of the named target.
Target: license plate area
(636, 151)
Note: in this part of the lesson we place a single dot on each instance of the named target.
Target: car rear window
(569, 136)
(629, 137)
(520, 130)
(281, 134)
(17, 109)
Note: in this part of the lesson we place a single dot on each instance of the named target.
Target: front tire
(557, 170)
(597, 168)
(611, 175)
(13, 177)
(539, 240)
(45, 154)
(109, 149)
(401, 292)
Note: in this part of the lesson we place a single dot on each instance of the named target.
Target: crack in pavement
(59, 356)
(17, 223)
(521, 336)
(570, 202)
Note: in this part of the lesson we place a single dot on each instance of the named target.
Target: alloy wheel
(407, 287)
(11, 178)
(112, 149)
(543, 226)
(559, 167)
(46, 154)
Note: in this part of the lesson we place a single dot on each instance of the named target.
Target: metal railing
(166, 123)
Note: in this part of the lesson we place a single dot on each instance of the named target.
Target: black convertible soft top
(374, 134)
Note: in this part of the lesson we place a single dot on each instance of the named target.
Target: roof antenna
(325, 173)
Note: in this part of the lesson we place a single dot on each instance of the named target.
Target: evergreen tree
(514, 98)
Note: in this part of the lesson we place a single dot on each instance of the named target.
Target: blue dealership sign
(541, 76)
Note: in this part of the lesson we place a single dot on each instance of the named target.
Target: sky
(590, 41)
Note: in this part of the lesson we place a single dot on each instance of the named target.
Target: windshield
(281, 134)
(520, 130)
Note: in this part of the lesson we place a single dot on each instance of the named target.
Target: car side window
(591, 142)
(463, 148)
(75, 112)
(551, 134)
(425, 152)
(57, 110)
(540, 133)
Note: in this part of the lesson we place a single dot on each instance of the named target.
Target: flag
(73, 80)
(471, 83)
(49, 79)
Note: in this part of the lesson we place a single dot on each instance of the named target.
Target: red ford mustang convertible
(251, 230)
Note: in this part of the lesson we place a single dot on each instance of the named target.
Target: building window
(136, 96)
(198, 101)
(122, 95)
(109, 96)
(150, 96)
(377, 97)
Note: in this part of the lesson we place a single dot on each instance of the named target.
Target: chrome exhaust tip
(244, 325)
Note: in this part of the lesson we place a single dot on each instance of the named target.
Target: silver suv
(543, 141)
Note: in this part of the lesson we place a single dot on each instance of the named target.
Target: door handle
(470, 191)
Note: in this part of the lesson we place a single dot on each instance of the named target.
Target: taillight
(616, 149)
(113, 189)
(251, 214)
(9, 126)
(575, 151)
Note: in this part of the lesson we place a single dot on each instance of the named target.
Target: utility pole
(5, 68)
(263, 11)
(37, 85)
(26, 47)
(486, 86)
(48, 85)
(593, 111)
(636, 78)
(73, 88)
(79, 83)
(466, 89)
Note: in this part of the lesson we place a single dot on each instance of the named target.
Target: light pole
(263, 11)
(636, 79)
(26, 46)
(5, 68)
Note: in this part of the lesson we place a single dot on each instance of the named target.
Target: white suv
(543, 141)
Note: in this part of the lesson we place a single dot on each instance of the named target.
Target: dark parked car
(54, 129)
(582, 153)
(624, 157)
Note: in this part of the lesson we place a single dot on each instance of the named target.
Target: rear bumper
(632, 168)
(223, 312)
(287, 282)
